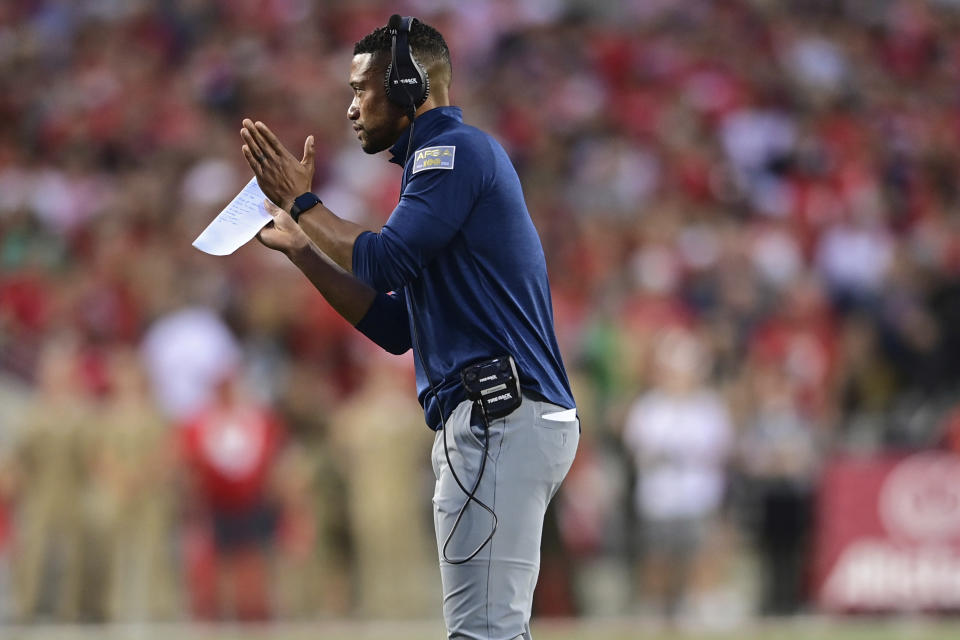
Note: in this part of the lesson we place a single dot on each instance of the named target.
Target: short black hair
(427, 44)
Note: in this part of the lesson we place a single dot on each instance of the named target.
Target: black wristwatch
(303, 202)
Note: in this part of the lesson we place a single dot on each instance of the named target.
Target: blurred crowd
(751, 216)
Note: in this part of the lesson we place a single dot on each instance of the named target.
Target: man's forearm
(332, 234)
(349, 297)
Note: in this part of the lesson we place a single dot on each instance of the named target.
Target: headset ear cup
(404, 70)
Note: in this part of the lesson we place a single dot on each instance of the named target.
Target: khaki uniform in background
(385, 457)
(48, 550)
(311, 570)
(14, 401)
(298, 575)
(133, 503)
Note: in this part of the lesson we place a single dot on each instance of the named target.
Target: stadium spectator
(680, 435)
(778, 456)
(134, 461)
(52, 477)
(230, 449)
(377, 437)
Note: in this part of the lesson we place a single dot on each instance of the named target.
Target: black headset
(406, 81)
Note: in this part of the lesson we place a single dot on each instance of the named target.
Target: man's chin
(372, 147)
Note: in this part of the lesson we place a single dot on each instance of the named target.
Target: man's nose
(353, 111)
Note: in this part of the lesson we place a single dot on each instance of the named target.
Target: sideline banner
(888, 534)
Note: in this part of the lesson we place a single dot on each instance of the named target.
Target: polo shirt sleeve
(433, 207)
(386, 323)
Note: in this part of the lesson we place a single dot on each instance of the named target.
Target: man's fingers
(256, 134)
(252, 143)
(269, 139)
(308, 151)
(268, 228)
(272, 209)
(252, 160)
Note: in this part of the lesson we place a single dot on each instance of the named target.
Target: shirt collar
(428, 124)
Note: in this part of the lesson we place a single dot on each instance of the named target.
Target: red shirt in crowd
(231, 450)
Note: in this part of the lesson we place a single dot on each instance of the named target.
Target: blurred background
(751, 216)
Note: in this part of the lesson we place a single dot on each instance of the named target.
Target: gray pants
(490, 596)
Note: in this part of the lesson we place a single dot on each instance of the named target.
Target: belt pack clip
(494, 384)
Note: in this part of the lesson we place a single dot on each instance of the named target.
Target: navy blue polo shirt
(459, 264)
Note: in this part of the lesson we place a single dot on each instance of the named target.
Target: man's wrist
(302, 203)
(300, 253)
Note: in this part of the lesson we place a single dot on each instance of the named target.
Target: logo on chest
(433, 158)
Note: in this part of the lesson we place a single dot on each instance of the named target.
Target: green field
(617, 629)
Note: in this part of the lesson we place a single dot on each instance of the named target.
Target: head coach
(458, 275)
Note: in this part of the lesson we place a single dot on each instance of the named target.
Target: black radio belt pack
(494, 384)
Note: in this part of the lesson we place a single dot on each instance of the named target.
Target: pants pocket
(558, 441)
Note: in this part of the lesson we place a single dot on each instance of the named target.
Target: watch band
(303, 202)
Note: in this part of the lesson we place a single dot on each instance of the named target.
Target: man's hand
(280, 175)
(283, 234)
